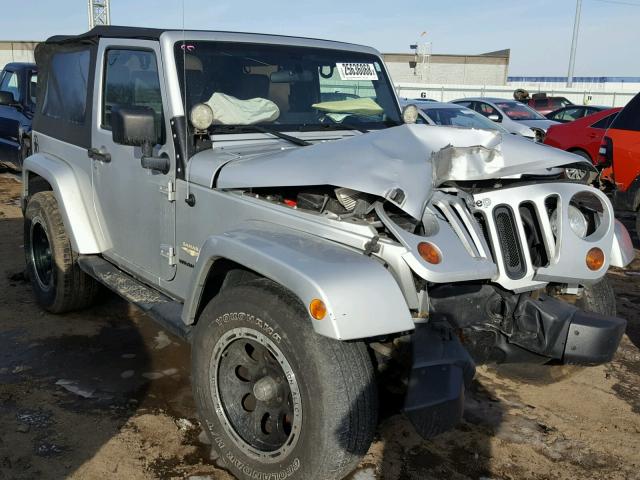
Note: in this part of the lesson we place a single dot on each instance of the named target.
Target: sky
(538, 32)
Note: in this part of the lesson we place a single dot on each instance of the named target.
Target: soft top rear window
(65, 92)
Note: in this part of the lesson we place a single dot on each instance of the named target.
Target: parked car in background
(582, 136)
(18, 85)
(574, 112)
(540, 102)
(620, 150)
(514, 116)
(452, 115)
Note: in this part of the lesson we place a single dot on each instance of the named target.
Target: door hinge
(168, 252)
(169, 190)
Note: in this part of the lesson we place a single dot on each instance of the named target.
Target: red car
(582, 136)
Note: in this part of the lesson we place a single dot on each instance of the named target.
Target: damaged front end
(477, 229)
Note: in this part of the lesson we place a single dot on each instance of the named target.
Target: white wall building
(486, 69)
(16, 51)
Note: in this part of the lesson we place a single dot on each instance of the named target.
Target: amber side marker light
(429, 253)
(595, 259)
(318, 309)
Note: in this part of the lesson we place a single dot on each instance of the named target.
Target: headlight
(577, 221)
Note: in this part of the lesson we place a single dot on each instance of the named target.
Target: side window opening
(131, 79)
(10, 84)
(33, 87)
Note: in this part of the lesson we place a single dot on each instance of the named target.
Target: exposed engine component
(348, 198)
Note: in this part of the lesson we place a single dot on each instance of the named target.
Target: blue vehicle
(18, 86)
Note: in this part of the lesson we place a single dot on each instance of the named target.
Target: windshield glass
(285, 87)
(460, 117)
(519, 111)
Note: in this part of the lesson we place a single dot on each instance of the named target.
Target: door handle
(99, 154)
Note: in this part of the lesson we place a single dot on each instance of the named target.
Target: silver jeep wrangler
(265, 198)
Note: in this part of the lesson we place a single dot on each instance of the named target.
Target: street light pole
(574, 43)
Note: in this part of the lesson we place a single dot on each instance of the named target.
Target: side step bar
(161, 308)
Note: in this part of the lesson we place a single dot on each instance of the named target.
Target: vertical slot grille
(512, 255)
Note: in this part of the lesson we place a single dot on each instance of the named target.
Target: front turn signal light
(429, 253)
(317, 309)
(595, 259)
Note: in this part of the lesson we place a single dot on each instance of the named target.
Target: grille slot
(463, 223)
(510, 245)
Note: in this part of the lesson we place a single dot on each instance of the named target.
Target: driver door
(135, 205)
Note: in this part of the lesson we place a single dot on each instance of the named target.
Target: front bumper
(540, 330)
(592, 338)
(498, 326)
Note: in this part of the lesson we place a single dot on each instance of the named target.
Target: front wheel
(597, 298)
(276, 399)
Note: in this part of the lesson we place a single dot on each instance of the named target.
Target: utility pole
(574, 43)
(99, 13)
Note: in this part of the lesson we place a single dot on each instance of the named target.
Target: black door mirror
(7, 99)
(135, 126)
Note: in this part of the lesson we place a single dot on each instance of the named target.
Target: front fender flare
(362, 298)
(77, 216)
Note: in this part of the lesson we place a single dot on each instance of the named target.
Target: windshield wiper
(258, 128)
(343, 126)
(276, 133)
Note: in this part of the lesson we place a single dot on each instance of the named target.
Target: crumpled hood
(413, 158)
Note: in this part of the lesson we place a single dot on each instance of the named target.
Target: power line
(619, 2)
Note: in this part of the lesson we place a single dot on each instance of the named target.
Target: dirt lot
(105, 394)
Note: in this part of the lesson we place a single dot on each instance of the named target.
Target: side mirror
(135, 126)
(495, 118)
(7, 99)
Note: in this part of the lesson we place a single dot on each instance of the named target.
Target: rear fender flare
(78, 217)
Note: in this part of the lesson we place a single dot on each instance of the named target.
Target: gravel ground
(104, 393)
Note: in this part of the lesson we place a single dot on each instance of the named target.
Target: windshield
(285, 87)
(519, 111)
(460, 117)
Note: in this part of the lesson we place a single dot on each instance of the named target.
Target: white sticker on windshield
(357, 71)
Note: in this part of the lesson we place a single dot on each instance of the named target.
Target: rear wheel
(58, 283)
(277, 399)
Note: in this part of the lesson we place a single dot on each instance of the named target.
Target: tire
(57, 281)
(329, 414)
(598, 298)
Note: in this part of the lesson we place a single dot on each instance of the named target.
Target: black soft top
(109, 31)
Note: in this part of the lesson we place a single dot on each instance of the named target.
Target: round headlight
(201, 116)
(577, 221)
(410, 114)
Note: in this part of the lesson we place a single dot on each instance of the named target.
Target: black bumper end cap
(442, 370)
(593, 338)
